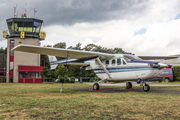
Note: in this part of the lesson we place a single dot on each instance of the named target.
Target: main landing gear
(128, 85)
(146, 87)
(95, 86)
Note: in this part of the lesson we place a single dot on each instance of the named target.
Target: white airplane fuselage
(122, 70)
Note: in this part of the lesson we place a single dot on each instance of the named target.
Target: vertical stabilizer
(52, 60)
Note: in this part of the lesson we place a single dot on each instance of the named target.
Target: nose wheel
(146, 88)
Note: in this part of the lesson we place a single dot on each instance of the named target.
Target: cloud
(69, 12)
(141, 27)
(3, 43)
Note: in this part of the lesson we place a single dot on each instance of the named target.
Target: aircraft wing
(76, 54)
(157, 57)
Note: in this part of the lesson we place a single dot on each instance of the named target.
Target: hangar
(23, 67)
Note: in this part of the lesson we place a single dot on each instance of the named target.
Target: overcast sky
(143, 27)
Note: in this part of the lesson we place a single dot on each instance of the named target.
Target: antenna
(35, 12)
(25, 10)
(15, 15)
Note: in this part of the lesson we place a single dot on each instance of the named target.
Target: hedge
(176, 73)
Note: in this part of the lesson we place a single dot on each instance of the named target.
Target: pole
(4, 67)
(4, 74)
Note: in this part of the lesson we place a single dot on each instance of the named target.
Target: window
(37, 26)
(12, 42)
(113, 62)
(11, 52)
(32, 74)
(18, 26)
(28, 26)
(107, 62)
(38, 74)
(21, 74)
(131, 57)
(124, 62)
(10, 27)
(118, 61)
(27, 75)
(11, 66)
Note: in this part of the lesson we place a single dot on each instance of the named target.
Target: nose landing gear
(146, 88)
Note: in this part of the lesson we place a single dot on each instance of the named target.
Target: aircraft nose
(162, 65)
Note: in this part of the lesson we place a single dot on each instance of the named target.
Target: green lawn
(44, 101)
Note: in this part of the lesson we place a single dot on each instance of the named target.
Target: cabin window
(124, 62)
(113, 62)
(107, 62)
(118, 61)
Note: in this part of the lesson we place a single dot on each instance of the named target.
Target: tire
(128, 85)
(166, 80)
(146, 88)
(96, 86)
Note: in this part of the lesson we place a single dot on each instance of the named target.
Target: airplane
(109, 67)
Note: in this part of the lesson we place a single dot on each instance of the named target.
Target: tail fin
(53, 65)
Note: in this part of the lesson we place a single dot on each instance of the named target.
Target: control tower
(23, 67)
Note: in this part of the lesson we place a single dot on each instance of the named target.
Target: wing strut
(99, 61)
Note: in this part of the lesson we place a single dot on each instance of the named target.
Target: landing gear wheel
(128, 85)
(146, 88)
(96, 86)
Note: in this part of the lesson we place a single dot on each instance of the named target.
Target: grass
(44, 101)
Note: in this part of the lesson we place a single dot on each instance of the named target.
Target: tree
(60, 45)
(47, 73)
(77, 47)
(2, 50)
(96, 48)
(61, 72)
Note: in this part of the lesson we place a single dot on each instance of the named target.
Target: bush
(176, 73)
(72, 79)
(91, 80)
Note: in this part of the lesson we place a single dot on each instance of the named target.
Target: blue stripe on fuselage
(125, 69)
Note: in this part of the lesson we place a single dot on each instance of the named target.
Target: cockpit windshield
(131, 57)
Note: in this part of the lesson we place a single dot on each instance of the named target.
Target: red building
(30, 74)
